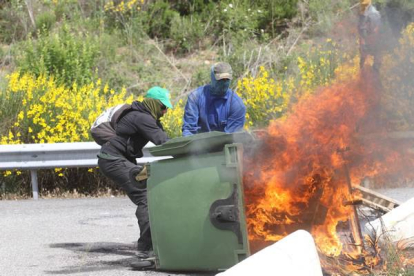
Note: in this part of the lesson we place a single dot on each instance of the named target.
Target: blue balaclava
(219, 87)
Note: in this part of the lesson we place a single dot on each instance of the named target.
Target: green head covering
(161, 94)
(154, 106)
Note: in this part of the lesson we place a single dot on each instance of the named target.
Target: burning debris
(301, 175)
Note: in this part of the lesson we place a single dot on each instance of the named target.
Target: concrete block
(398, 224)
(294, 255)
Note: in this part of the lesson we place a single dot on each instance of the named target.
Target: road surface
(88, 236)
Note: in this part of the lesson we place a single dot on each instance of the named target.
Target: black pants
(365, 51)
(118, 171)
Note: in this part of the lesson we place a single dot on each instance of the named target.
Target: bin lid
(200, 143)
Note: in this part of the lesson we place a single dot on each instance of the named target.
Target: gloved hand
(138, 175)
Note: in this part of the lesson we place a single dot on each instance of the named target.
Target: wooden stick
(30, 11)
(353, 220)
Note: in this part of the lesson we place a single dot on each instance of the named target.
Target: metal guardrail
(34, 157)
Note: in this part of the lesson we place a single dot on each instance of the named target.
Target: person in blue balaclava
(214, 107)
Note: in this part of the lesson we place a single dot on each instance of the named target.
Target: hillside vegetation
(63, 62)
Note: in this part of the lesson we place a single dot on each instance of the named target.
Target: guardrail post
(35, 187)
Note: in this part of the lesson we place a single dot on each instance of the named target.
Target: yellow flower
(264, 98)
(20, 116)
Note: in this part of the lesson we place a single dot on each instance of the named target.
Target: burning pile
(300, 174)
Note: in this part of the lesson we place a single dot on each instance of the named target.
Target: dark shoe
(144, 254)
(143, 264)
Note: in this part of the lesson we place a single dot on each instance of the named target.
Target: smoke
(298, 174)
(398, 15)
(389, 98)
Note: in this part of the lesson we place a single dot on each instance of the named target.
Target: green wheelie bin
(195, 202)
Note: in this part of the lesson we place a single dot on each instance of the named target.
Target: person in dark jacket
(214, 107)
(118, 156)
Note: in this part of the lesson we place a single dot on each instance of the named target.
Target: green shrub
(399, 13)
(133, 31)
(324, 13)
(65, 9)
(407, 5)
(57, 183)
(68, 56)
(266, 15)
(125, 18)
(159, 19)
(244, 56)
(45, 21)
(18, 185)
(10, 105)
(14, 22)
(236, 22)
(186, 33)
(188, 7)
(276, 14)
(201, 76)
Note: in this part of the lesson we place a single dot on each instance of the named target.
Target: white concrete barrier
(398, 224)
(294, 255)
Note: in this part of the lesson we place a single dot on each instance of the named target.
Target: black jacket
(133, 131)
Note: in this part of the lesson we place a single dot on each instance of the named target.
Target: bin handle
(224, 214)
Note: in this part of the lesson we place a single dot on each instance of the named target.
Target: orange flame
(298, 178)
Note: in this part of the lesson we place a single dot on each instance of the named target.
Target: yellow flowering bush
(37, 109)
(173, 120)
(123, 6)
(317, 67)
(46, 112)
(50, 113)
(265, 99)
(347, 71)
(397, 73)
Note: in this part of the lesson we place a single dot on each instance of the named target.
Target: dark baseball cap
(222, 70)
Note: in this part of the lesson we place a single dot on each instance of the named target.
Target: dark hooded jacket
(134, 130)
(369, 25)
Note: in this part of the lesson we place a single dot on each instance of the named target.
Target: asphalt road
(90, 236)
